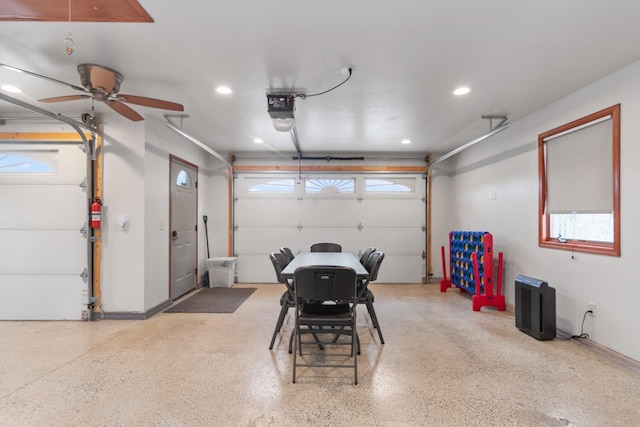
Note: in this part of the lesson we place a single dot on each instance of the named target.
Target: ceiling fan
(103, 84)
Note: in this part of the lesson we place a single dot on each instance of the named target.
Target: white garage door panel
(22, 207)
(274, 212)
(343, 236)
(253, 246)
(256, 269)
(400, 269)
(42, 252)
(329, 212)
(392, 212)
(263, 240)
(397, 240)
(39, 252)
(41, 297)
(392, 222)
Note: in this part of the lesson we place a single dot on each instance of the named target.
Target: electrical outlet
(592, 306)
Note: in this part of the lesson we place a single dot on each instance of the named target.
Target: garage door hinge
(83, 184)
(83, 230)
(424, 255)
(360, 227)
(300, 227)
(424, 227)
(360, 199)
(424, 198)
(84, 275)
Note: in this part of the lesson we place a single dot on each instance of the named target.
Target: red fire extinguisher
(96, 213)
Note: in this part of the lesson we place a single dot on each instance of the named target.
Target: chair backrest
(326, 247)
(288, 254)
(373, 265)
(325, 283)
(279, 263)
(365, 255)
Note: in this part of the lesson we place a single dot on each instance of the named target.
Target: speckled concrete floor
(442, 365)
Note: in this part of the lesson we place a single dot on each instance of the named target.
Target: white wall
(123, 194)
(507, 164)
(161, 142)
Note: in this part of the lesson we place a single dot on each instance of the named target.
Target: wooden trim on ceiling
(399, 169)
(230, 207)
(41, 136)
(81, 11)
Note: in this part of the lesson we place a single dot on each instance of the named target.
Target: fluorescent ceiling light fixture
(258, 141)
(12, 89)
(405, 141)
(463, 90)
(224, 90)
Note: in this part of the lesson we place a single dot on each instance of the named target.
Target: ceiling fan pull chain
(68, 41)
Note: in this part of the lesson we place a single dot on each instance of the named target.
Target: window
(28, 162)
(389, 185)
(330, 185)
(271, 185)
(579, 191)
(183, 179)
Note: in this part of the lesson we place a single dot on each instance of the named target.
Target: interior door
(184, 213)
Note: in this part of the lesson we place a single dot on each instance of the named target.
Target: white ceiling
(407, 57)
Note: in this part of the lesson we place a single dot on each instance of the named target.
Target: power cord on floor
(582, 333)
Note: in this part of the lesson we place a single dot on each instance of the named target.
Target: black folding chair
(287, 299)
(365, 296)
(288, 254)
(365, 255)
(326, 247)
(337, 286)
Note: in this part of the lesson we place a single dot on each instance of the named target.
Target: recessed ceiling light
(405, 141)
(224, 90)
(9, 88)
(463, 90)
(258, 141)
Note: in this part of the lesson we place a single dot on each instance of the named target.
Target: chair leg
(283, 313)
(293, 334)
(355, 338)
(374, 319)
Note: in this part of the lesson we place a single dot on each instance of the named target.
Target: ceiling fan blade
(64, 98)
(124, 110)
(150, 102)
(20, 70)
(104, 78)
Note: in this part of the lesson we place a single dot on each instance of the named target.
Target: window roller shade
(572, 159)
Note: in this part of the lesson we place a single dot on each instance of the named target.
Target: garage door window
(389, 185)
(330, 185)
(270, 185)
(28, 162)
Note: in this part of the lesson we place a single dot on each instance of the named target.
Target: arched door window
(183, 179)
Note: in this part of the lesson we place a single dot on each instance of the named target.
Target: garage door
(385, 211)
(42, 250)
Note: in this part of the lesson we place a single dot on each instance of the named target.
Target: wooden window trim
(546, 241)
